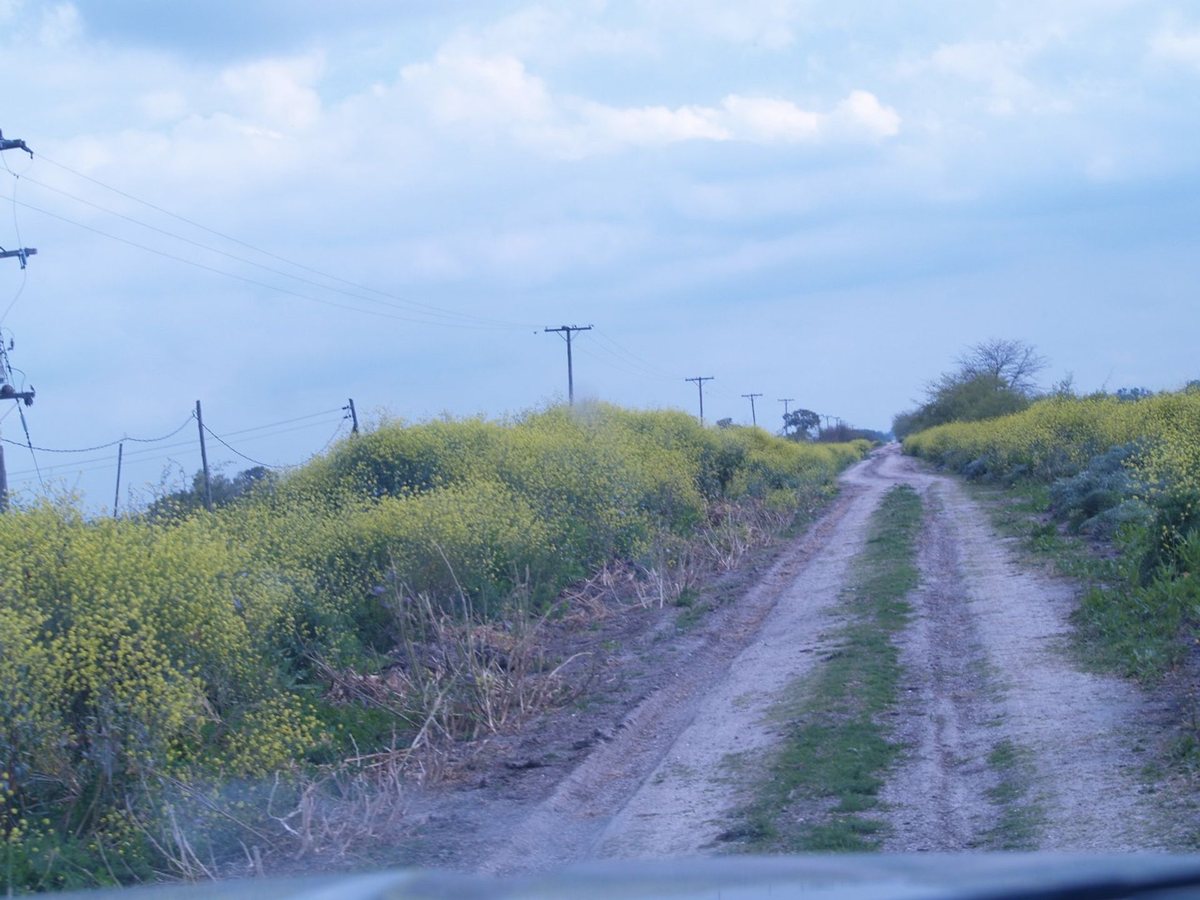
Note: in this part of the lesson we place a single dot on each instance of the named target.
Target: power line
(20, 242)
(185, 424)
(105, 446)
(226, 445)
(626, 363)
(29, 442)
(428, 307)
(633, 357)
(151, 453)
(456, 317)
(316, 415)
(245, 279)
(267, 465)
(615, 363)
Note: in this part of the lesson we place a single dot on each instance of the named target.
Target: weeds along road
(1002, 741)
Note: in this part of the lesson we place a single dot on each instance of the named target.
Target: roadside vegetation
(1123, 471)
(992, 378)
(822, 788)
(188, 692)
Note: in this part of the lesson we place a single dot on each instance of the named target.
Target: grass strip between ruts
(820, 790)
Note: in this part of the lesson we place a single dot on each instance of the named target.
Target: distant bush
(993, 378)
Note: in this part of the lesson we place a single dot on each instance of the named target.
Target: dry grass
(456, 679)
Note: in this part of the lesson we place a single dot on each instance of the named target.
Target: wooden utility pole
(785, 401)
(566, 331)
(353, 416)
(204, 458)
(12, 144)
(8, 391)
(753, 417)
(117, 492)
(700, 379)
(23, 254)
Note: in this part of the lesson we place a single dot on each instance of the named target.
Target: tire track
(991, 677)
(986, 670)
(661, 787)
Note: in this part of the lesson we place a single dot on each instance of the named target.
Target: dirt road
(1008, 743)
(1012, 744)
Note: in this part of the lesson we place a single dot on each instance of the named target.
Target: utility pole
(117, 493)
(7, 390)
(700, 379)
(7, 144)
(566, 331)
(204, 459)
(785, 401)
(23, 254)
(353, 416)
(753, 418)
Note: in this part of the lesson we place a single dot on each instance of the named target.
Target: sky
(273, 207)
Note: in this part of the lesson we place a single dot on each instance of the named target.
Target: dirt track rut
(987, 672)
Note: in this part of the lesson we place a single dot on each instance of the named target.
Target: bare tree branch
(1015, 363)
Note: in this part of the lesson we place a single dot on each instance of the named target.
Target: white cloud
(646, 125)
(460, 86)
(769, 119)
(60, 26)
(999, 68)
(861, 110)
(770, 24)
(163, 105)
(277, 93)
(1179, 47)
(996, 65)
(497, 92)
(563, 33)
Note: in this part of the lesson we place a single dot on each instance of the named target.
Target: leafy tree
(802, 422)
(993, 378)
(224, 491)
(1131, 395)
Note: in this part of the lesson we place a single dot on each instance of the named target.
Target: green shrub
(145, 658)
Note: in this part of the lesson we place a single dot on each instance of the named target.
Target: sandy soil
(989, 665)
(986, 667)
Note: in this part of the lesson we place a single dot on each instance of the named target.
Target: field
(177, 686)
